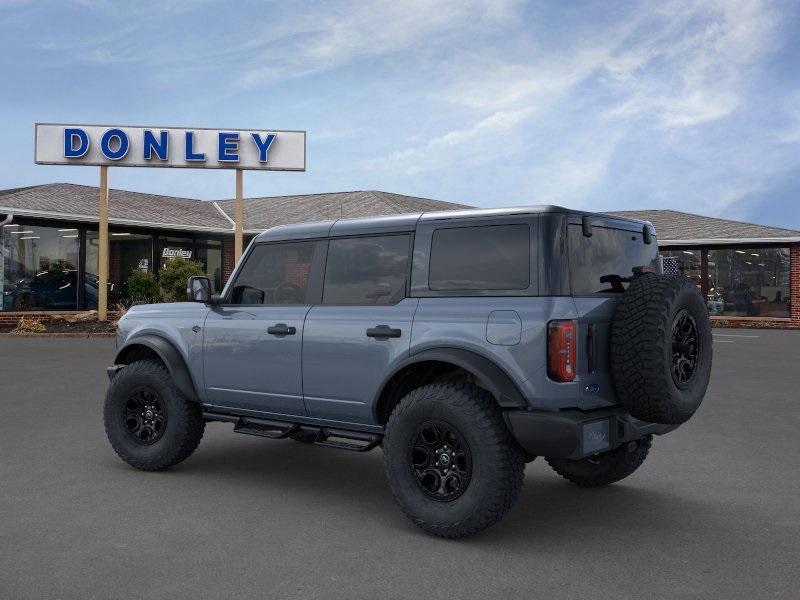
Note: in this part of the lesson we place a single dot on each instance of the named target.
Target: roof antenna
(341, 210)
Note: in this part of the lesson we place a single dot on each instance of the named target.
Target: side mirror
(199, 289)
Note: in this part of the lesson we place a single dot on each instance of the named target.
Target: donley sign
(178, 147)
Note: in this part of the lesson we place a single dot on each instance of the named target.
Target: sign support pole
(102, 256)
(238, 241)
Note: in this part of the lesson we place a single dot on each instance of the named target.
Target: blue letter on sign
(158, 146)
(263, 145)
(122, 147)
(228, 142)
(190, 153)
(70, 137)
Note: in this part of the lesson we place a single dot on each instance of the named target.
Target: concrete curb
(56, 335)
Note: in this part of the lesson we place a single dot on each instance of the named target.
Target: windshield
(605, 262)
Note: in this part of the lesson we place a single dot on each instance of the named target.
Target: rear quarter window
(481, 258)
(604, 262)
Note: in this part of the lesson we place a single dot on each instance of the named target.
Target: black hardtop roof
(407, 222)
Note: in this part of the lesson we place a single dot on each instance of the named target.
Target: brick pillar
(794, 282)
(228, 260)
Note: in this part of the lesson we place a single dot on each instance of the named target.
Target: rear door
(600, 266)
(253, 342)
(362, 326)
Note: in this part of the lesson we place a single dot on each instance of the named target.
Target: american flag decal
(672, 267)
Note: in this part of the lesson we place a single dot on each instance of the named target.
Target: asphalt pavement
(713, 513)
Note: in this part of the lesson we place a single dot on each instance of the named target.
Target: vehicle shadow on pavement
(548, 512)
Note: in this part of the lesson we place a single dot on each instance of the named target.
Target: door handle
(383, 331)
(281, 329)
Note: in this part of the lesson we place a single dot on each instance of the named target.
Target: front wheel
(150, 424)
(451, 464)
(606, 468)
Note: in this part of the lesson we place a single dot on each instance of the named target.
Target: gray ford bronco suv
(463, 343)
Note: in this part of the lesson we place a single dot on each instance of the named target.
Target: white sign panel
(123, 146)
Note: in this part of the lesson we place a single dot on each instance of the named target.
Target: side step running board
(343, 439)
(265, 428)
(333, 438)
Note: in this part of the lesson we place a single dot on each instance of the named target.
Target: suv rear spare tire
(661, 349)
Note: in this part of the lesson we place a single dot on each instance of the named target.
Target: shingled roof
(72, 202)
(674, 227)
(263, 213)
(79, 203)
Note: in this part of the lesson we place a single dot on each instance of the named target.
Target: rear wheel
(150, 424)
(451, 464)
(606, 468)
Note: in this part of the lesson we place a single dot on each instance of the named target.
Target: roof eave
(730, 241)
(111, 220)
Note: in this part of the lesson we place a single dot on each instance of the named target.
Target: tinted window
(275, 274)
(604, 262)
(370, 270)
(481, 258)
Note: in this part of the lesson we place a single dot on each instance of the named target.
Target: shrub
(25, 325)
(173, 277)
(143, 287)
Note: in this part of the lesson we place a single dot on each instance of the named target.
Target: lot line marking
(723, 341)
(735, 335)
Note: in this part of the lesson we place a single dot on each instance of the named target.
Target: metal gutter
(224, 214)
(94, 219)
(730, 241)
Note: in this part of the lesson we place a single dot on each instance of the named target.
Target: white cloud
(680, 67)
(479, 142)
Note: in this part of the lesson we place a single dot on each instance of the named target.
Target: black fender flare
(491, 377)
(169, 355)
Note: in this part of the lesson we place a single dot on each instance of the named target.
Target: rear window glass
(495, 257)
(605, 262)
(368, 270)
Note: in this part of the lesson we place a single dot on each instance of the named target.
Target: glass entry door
(128, 252)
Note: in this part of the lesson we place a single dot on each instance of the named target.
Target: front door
(361, 328)
(252, 342)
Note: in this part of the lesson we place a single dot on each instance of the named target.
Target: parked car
(462, 343)
(51, 289)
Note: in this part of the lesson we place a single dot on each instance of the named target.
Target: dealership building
(749, 274)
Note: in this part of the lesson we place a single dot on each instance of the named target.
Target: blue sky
(603, 105)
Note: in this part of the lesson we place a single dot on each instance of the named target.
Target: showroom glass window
(688, 263)
(39, 268)
(749, 282)
(176, 247)
(209, 255)
(128, 252)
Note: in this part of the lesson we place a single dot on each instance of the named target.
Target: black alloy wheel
(441, 461)
(145, 416)
(685, 348)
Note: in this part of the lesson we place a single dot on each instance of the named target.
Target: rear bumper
(576, 434)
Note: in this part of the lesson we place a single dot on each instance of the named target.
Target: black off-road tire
(184, 424)
(643, 348)
(605, 468)
(497, 461)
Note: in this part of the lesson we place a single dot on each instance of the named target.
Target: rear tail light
(561, 350)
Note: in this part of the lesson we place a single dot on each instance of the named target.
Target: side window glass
(493, 257)
(274, 274)
(369, 270)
